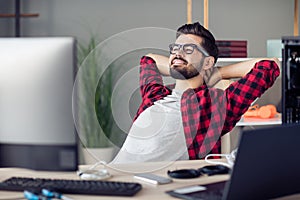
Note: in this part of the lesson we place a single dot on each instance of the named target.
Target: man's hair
(208, 40)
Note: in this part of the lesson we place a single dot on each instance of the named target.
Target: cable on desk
(92, 174)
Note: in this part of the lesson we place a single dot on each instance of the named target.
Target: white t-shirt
(157, 134)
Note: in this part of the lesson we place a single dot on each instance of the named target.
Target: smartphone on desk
(152, 178)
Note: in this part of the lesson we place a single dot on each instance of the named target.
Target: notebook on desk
(267, 166)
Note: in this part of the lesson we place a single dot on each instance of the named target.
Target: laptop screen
(266, 166)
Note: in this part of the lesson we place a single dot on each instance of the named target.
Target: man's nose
(179, 52)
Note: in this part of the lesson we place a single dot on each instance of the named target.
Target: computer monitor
(36, 123)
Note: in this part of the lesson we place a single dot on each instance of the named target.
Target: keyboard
(88, 187)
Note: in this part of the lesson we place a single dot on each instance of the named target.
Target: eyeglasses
(187, 48)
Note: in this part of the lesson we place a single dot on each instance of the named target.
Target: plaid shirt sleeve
(151, 84)
(243, 92)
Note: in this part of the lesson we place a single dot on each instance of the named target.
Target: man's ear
(208, 62)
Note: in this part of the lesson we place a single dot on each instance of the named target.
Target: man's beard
(188, 72)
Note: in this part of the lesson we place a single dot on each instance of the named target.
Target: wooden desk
(149, 191)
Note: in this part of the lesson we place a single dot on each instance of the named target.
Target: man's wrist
(220, 71)
(162, 63)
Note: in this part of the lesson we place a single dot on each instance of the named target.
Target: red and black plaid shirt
(208, 113)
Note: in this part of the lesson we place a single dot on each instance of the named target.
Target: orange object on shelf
(267, 111)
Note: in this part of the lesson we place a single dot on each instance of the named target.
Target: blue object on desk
(48, 193)
(52, 194)
(32, 196)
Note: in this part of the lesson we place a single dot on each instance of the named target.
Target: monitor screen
(36, 123)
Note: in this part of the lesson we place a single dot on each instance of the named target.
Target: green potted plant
(94, 134)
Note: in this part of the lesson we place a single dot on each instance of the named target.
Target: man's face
(186, 65)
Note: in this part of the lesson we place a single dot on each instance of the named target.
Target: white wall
(255, 20)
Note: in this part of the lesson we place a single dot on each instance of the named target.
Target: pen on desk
(52, 194)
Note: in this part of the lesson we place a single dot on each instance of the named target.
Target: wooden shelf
(233, 59)
(21, 15)
(17, 15)
(226, 61)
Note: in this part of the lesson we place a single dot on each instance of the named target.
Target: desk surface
(149, 191)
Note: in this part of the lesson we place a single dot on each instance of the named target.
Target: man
(187, 120)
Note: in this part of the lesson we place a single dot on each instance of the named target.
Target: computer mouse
(214, 169)
(184, 173)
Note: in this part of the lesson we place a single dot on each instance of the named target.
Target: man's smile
(179, 61)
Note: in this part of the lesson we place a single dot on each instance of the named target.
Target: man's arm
(239, 70)
(236, 70)
(240, 94)
(215, 74)
(151, 84)
(162, 63)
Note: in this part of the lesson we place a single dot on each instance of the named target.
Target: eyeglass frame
(181, 46)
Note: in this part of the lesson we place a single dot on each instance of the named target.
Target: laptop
(267, 166)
